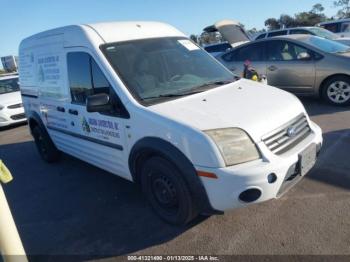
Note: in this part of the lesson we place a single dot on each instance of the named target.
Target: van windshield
(160, 69)
(9, 85)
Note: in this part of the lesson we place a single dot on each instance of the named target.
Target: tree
(317, 9)
(344, 5)
(286, 21)
(309, 18)
(272, 24)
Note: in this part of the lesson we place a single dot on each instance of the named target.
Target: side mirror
(98, 103)
(304, 56)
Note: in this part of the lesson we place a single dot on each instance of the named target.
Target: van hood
(231, 30)
(256, 108)
(10, 98)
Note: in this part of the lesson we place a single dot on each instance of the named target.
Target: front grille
(18, 116)
(287, 136)
(15, 106)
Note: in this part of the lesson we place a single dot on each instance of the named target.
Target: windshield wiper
(167, 95)
(194, 90)
(209, 85)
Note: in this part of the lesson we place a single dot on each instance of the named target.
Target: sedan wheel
(339, 92)
(336, 91)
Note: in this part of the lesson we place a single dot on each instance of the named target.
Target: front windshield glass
(328, 46)
(159, 69)
(9, 85)
(321, 32)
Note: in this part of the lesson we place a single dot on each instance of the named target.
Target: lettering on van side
(104, 129)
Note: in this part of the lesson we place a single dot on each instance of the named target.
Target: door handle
(73, 112)
(61, 109)
(272, 68)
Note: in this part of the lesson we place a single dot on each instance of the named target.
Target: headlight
(235, 145)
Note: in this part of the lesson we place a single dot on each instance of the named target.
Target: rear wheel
(45, 146)
(336, 91)
(167, 191)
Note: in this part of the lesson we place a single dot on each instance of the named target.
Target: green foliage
(272, 24)
(344, 11)
(310, 18)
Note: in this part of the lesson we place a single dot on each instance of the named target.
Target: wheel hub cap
(339, 92)
(164, 192)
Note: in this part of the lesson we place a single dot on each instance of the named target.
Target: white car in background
(11, 107)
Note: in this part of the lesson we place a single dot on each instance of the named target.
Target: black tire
(45, 146)
(167, 191)
(335, 91)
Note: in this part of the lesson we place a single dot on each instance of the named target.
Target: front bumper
(12, 116)
(224, 192)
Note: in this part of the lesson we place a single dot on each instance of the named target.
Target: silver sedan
(301, 64)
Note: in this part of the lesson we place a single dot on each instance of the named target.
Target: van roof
(107, 32)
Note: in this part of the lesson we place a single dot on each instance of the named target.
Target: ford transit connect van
(142, 101)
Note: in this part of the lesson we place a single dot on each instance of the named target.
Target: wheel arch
(153, 146)
(34, 120)
(324, 81)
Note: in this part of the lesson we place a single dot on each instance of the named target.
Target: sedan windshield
(328, 46)
(321, 32)
(159, 69)
(9, 85)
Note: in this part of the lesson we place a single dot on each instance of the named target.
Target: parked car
(316, 31)
(218, 48)
(340, 27)
(11, 108)
(142, 101)
(301, 64)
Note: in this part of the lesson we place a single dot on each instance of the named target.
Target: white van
(142, 101)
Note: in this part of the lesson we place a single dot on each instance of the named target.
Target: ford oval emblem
(291, 131)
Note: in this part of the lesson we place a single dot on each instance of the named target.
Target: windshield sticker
(188, 44)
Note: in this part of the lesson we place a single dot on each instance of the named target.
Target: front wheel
(336, 91)
(167, 191)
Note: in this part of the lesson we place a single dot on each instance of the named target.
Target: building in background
(10, 63)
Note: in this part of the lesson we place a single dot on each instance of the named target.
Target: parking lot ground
(71, 207)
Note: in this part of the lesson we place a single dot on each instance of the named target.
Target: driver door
(99, 136)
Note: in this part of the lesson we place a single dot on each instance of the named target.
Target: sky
(22, 18)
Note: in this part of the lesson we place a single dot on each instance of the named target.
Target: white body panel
(257, 109)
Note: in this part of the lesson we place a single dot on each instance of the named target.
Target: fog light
(250, 195)
(271, 178)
